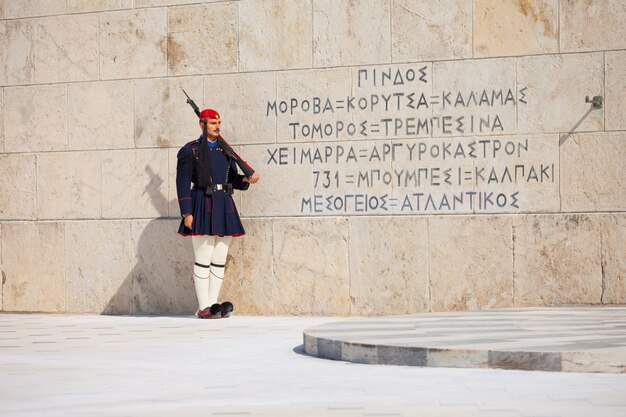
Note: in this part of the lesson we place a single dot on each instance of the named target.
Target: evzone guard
(206, 175)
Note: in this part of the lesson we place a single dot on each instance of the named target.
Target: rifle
(243, 165)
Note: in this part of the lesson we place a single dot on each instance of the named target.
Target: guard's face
(212, 128)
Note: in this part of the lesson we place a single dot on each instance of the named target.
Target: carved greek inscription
(401, 104)
(420, 176)
(393, 145)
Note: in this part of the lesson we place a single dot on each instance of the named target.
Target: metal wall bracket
(596, 101)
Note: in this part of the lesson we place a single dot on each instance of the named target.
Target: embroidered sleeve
(236, 178)
(184, 170)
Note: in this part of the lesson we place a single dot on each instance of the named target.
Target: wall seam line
(273, 264)
(238, 38)
(67, 118)
(604, 89)
(472, 26)
(312, 36)
(101, 185)
(99, 47)
(350, 304)
(558, 23)
(64, 224)
(391, 2)
(131, 275)
(167, 44)
(602, 269)
(2, 133)
(513, 264)
(430, 284)
(36, 214)
(278, 70)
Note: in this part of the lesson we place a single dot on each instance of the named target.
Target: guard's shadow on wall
(160, 280)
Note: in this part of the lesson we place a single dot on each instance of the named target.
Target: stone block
(521, 171)
(589, 25)
(425, 30)
(17, 52)
(311, 266)
(351, 33)
(162, 119)
(100, 115)
(133, 43)
(391, 101)
(265, 198)
(1, 120)
(193, 47)
(557, 260)
(592, 172)
(66, 48)
(528, 361)
(471, 262)
(33, 267)
(285, 25)
(149, 3)
(329, 349)
(99, 264)
(69, 185)
(242, 101)
(310, 345)
(35, 118)
(613, 260)
(359, 353)
(84, 6)
(608, 362)
(476, 97)
(162, 276)
(458, 358)
(18, 188)
(249, 281)
(134, 183)
(506, 28)
(555, 89)
(29, 8)
(615, 99)
(402, 355)
(388, 276)
(306, 96)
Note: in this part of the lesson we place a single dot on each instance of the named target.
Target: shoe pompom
(216, 309)
(227, 308)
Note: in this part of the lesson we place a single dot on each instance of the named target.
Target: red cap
(209, 114)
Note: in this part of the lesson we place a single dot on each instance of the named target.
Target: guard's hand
(253, 179)
(188, 221)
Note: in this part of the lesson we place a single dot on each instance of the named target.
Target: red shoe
(204, 313)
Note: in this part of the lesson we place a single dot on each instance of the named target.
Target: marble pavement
(95, 365)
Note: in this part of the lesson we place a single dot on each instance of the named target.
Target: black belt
(228, 187)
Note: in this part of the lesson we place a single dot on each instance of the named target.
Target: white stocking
(218, 263)
(203, 251)
(208, 272)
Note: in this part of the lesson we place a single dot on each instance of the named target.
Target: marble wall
(414, 156)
